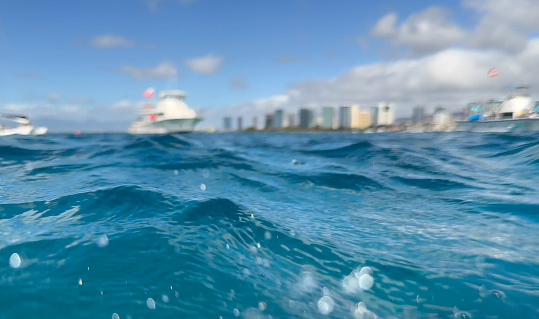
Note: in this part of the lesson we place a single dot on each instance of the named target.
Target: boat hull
(164, 127)
(499, 126)
(24, 130)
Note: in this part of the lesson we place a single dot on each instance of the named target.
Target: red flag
(492, 72)
(149, 92)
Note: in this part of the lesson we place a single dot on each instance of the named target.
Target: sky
(83, 65)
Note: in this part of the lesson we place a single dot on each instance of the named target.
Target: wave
(102, 223)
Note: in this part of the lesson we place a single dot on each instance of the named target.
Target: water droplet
(350, 284)
(363, 271)
(236, 312)
(462, 315)
(267, 235)
(361, 306)
(115, 316)
(101, 292)
(325, 305)
(365, 282)
(15, 260)
(307, 282)
(102, 241)
(164, 298)
(258, 245)
(203, 187)
(361, 312)
(80, 281)
(262, 306)
(88, 268)
(294, 162)
(497, 293)
(150, 303)
(176, 172)
(252, 216)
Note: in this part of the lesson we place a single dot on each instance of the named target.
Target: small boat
(516, 113)
(170, 115)
(24, 126)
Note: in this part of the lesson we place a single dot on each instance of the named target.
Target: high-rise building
(354, 117)
(278, 118)
(386, 114)
(364, 119)
(418, 115)
(306, 118)
(441, 118)
(374, 116)
(291, 120)
(442, 109)
(269, 122)
(345, 117)
(227, 123)
(240, 124)
(328, 114)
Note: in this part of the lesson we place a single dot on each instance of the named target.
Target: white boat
(170, 115)
(516, 113)
(24, 127)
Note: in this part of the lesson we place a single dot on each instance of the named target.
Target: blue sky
(79, 58)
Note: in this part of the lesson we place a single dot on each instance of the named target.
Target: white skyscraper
(386, 114)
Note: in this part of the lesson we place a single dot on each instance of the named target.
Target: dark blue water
(270, 226)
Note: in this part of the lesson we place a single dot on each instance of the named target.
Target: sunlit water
(270, 226)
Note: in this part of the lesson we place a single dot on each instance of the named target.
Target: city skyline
(350, 117)
(85, 65)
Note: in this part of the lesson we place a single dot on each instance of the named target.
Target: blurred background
(84, 65)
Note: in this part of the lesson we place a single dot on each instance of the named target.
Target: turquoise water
(270, 226)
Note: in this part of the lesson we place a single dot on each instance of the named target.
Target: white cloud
(504, 25)
(520, 12)
(452, 78)
(424, 32)
(111, 41)
(207, 64)
(164, 70)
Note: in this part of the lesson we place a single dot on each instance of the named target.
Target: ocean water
(392, 225)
